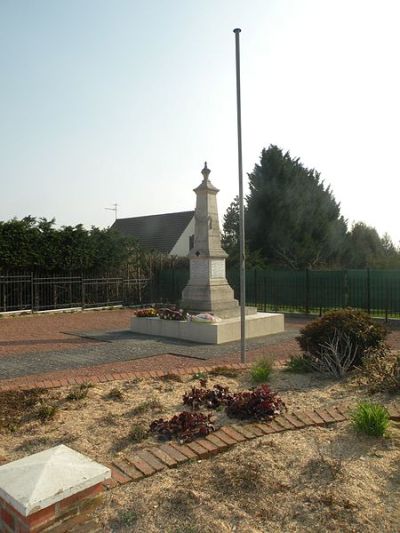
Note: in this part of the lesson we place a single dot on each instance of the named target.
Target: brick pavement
(33, 349)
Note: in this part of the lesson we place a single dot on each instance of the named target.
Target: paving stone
(197, 448)
(128, 469)
(164, 457)
(268, 428)
(151, 460)
(394, 412)
(184, 449)
(294, 421)
(224, 437)
(218, 444)
(117, 476)
(141, 465)
(284, 422)
(244, 430)
(335, 414)
(256, 430)
(326, 417)
(304, 418)
(233, 433)
(318, 421)
(345, 409)
(178, 456)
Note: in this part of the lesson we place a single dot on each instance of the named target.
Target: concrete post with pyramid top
(208, 289)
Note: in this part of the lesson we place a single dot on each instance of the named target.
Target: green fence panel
(375, 291)
(326, 289)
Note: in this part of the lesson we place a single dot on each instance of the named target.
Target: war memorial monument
(207, 289)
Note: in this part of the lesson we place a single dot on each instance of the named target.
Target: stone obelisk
(208, 289)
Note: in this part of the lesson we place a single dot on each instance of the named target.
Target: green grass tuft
(224, 371)
(261, 370)
(152, 404)
(79, 393)
(199, 375)
(137, 433)
(115, 394)
(371, 419)
(298, 364)
(46, 412)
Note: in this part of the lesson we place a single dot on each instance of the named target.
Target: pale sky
(123, 101)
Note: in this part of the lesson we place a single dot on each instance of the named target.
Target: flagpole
(241, 208)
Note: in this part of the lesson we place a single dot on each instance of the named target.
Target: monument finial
(206, 171)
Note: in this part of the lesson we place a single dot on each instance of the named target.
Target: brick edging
(33, 382)
(149, 461)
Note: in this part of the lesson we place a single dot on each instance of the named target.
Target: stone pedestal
(228, 330)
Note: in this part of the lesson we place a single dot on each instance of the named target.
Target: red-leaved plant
(259, 404)
(210, 398)
(185, 427)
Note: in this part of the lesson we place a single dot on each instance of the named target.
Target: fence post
(174, 299)
(123, 292)
(386, 301)
(368, 291)
(307, 303)
(346, 289)
(83, 293)
(32, 294)
(264, 292)
(255, 287)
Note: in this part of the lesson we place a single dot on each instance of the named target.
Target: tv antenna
(114, 208)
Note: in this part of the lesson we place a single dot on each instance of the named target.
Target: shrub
(185, 426)
(336, 357)
(298, 364)
(371, 419)
(261, 370)
(259, 404)
(381, 373)
(354, 326)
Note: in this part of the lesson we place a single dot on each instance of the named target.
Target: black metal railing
(32, 293)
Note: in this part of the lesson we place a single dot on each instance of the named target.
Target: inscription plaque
(218, 268)
(199, 268)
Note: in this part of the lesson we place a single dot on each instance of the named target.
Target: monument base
(228, 330)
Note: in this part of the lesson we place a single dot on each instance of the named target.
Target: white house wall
(181, 247)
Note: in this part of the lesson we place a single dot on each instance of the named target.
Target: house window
(191, 241)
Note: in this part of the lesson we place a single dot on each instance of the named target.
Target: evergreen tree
(230, 234)
(292, 219)
(366, 249)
